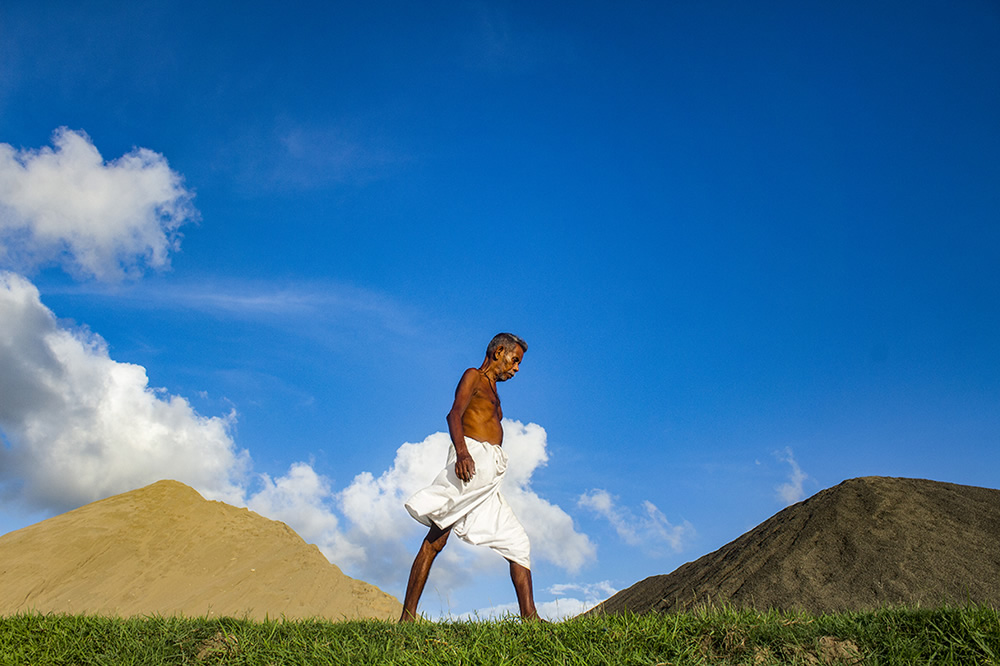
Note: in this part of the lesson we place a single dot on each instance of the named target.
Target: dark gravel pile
(864, 544)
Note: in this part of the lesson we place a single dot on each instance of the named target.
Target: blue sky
(754, 248)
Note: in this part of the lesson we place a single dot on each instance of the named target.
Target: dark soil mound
(864, 544)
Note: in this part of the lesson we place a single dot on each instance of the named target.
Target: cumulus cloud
(791, 491)
(648, 529)
(553, 535)
(99, 219)
(374, 507)
(304, 499)
(571, 599)
(80, 426)
(575, 598)
(76, 426)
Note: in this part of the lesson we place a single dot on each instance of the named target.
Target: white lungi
(475, 510)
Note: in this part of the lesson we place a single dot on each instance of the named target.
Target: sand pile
(864, 544)
(165, 550)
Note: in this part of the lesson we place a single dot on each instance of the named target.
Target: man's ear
(498, 353)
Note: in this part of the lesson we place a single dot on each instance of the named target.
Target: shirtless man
(465, 497)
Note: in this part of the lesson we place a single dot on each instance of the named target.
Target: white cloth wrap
(475, 510)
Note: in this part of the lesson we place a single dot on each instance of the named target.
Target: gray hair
(507, 341)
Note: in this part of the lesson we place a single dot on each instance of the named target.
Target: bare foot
(534, 617)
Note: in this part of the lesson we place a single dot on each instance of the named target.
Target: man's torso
(481, 419)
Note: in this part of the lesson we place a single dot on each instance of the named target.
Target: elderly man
(465, 497)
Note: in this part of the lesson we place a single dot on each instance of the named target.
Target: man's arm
(465, 467)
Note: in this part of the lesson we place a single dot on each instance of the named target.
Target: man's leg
(429, 548)
(521, 577)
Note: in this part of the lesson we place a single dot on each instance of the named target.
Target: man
(465, 497)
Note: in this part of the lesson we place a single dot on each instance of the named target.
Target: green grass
(968, 635)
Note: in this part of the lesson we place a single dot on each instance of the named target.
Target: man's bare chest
(486, 402)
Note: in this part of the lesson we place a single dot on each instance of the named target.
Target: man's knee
(437, 538)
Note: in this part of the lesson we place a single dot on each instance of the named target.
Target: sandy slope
(863, 544)
(165, 550)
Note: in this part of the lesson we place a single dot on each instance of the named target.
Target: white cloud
(649, 529)
(571, 600)
(303, 499)
(791, 491)
(599, 591)
(374, 506)
(78, 426)
(81, 426)
(575, 598)
(550, 529)
(98, 219)
(308, 308)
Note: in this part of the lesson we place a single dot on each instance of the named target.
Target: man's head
(506, 340)
(508, 349)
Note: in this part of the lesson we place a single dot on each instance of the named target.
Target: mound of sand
(861, 545)
(165, 550)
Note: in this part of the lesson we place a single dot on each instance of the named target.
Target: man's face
(510, 363)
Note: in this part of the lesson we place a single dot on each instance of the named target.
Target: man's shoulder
(471, 376)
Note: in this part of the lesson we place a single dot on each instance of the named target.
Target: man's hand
(465, 467)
